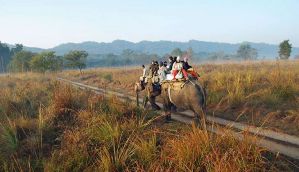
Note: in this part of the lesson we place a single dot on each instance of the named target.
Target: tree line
(6, 53)
(130, 57)
(246, 52)
(16, 59)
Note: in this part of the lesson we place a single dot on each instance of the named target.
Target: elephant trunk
(137, 89)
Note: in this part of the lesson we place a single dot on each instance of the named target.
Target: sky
(48, 23)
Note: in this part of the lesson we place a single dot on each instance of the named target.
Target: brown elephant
(188, 95)
(150, 94)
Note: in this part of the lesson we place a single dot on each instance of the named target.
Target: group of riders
(176, 70)
(172, 80)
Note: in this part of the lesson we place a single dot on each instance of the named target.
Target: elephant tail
(137, 89)
(202, 90)
(205, 85)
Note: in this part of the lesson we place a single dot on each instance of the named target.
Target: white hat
(178, 58)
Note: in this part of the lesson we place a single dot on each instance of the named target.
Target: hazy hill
(162, 47)
(32, 49)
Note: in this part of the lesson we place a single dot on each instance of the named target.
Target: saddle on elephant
(175, 85)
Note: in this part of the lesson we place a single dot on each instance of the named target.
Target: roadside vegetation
(50, 126)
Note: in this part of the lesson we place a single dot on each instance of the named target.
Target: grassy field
(49, 126)
(259, 93)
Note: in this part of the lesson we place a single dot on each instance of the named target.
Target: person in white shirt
(162, 72)
(178, 71)
(144, 75)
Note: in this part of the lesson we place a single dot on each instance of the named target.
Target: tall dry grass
(197, 150)
(73, 130)
(262, 93)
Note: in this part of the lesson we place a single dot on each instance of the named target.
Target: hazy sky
(47, 23)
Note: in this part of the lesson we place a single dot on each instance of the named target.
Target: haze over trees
(164, 47)
(127, 58)
(76, 59)
(15, 59)
(16, 49)
(285, 49)
(20, 62)
(5, 54)
(18, 59)
(177, 52)
(46, 61)
(246, 52)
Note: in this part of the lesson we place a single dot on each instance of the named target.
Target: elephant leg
(173, 107)
(196, 120)
(204, 119)
(145, 100)
(167, 111)
(137, 99)
(152, 100)
(200, 118)
(168, 116)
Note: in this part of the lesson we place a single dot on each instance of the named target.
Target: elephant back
(174, 85)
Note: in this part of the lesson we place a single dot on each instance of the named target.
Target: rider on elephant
(189, 68)
(178, 71)
(162, 72)
(171, 61)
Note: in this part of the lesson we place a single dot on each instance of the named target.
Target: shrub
(108, 77)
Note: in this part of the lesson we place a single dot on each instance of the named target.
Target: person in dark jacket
(189, 68)
(165, 64)
(186, 65)
(154, 67)
(171, 61)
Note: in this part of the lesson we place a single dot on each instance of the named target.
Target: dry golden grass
(72, 130)
(262, 93)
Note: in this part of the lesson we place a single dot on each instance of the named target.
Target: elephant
(150, 94)
(188, 95)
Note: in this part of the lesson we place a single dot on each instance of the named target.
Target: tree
(46, 61)
(127, 53)
(6, 53)
(54, 63)
(177, 52)
(20, 62)
(285, 49)
(111, 59)
(246, 52)
(15, 50)
(189, 53)
(154, 57)
(220, 55)
(4, 57)
(76, 59)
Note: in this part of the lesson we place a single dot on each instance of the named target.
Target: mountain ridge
(162, 47)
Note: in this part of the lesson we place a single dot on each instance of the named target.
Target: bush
(108, 77)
